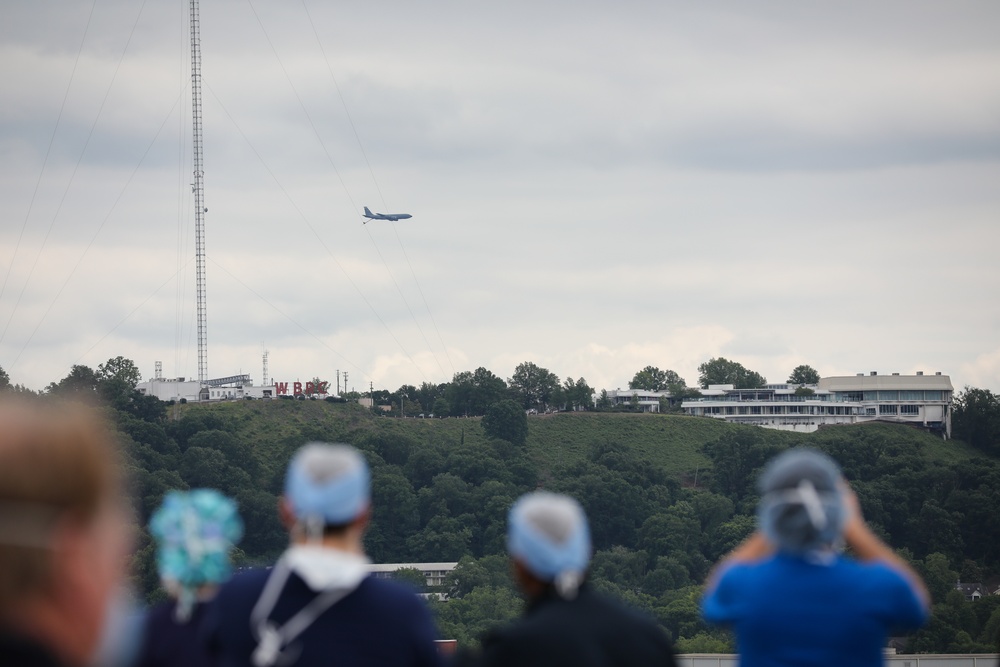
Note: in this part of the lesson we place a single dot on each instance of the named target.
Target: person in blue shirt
(791, 596)
(318, 606)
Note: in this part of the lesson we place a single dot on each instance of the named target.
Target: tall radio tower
(199, 195)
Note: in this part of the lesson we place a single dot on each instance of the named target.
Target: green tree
(719, 370)
(649, 378)
(412, 577)
(443, 538)
(440, 408)
(804, 374)
(976, 419)
(472, 573)
(652, 378)
(737, 459)
(237, 452)
(578, 394)
(471, 392)
(675, 529)
(427, 394)
(120, 368)
(81, 379)
(938, 575)
(682, 614)
(4, 380)
(533, 386)
(506, 420)
(471, 616)
(704, 642)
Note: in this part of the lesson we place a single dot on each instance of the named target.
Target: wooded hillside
(667, 495)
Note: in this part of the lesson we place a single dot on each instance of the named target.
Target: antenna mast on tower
(199, 194)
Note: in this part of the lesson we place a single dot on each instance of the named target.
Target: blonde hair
(57, 463)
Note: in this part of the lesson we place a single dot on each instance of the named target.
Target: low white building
(177, 389)
(171, 389)
(923, 400)
(434, 573)
(648, 401)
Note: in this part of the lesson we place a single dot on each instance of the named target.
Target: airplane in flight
(385, 216)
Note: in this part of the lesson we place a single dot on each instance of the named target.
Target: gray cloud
(594, 190)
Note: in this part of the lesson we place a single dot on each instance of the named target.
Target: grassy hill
(673, 442)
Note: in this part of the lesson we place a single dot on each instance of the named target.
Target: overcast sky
(595, 187)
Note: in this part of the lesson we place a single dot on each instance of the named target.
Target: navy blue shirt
(378, 623)
(588, 631)
(169, 643)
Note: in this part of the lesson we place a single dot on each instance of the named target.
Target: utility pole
(345, 382)
(338, 382)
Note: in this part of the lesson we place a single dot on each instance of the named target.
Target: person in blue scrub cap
(790, 594)
(318, 603)
(565, 623)
(194, 532)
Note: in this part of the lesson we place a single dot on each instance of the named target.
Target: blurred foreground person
(318, 606)
(64, 537)
(565, 623)
(789, 594)
(194, 533)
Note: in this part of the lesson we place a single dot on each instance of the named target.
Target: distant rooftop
(874, 381)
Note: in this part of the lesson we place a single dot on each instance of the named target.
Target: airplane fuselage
(386, 216)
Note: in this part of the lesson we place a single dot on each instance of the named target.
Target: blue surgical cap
(549, 535)
(802, 506)
(194, 533)
(329, 484)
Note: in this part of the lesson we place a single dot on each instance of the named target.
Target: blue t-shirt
(789, 611)
(378, 623)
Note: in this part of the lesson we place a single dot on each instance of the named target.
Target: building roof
(886, 382)
(969, 589)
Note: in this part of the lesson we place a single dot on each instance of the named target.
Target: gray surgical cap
(801, 509)
(549, 535)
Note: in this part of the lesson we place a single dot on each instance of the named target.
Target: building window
(869, 411)
(932, 396)
(887, 409)
(909, 409)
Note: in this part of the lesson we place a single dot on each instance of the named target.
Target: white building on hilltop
(434, 573)
(236, 387)
(921, 400)
(647, 401)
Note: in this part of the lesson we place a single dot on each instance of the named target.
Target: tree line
(533, 387)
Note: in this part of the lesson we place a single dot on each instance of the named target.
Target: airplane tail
(367, 212)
